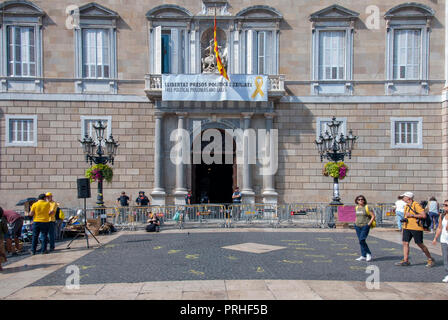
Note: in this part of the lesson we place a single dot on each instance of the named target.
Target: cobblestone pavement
(223, 264)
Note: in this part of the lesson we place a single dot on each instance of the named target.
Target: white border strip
(289, 99)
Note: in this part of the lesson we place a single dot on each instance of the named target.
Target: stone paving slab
(17, 279)
(249, 290)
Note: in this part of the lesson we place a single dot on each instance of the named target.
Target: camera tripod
(85, 228)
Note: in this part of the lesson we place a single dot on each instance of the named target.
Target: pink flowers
(342, 172)
(97, 175)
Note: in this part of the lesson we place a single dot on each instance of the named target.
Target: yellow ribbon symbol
(258, 83)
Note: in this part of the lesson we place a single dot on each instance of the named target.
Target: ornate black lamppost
(95, 153)
(335, 148)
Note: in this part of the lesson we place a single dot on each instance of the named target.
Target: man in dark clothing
(236, 197)
(123, 200)
(142, 200)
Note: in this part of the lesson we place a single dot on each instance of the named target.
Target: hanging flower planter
(100, 172)
(335, 169)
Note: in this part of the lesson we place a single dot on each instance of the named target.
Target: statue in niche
(208, 59)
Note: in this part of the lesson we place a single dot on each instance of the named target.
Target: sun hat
(408, 194)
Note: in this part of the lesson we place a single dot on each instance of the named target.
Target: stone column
(158, 193)
(181, 188)
(269, 194)
(247, 192)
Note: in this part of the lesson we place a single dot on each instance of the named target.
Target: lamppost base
(336, 202)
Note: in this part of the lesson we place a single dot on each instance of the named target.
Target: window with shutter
(96, 54)
(21, 52)
(332, 55)
(407, 54)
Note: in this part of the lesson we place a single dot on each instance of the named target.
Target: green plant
(100, 172)
(335, 169)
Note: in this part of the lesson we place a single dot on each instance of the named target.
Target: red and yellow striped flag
(221, 68)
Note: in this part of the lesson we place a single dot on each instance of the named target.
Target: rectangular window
(259, 49)
(21, 130)
(407, 54)
(21, 52)
(332, 55)
(406, 133)
(261, 52)
(96, 53)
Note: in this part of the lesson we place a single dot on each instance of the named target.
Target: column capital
(269, 115)
(247, 115)
(159, 114)
(182, 114)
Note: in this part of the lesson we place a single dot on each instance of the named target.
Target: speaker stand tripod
(85, 230)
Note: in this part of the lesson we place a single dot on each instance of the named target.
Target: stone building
(378, 67)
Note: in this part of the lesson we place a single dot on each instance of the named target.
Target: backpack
(151, 227)
(425, 223)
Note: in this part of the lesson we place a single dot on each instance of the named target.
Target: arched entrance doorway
(214, 181)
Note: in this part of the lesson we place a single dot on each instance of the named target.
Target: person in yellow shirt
(52, 223)
(412, 228)
(40, 211)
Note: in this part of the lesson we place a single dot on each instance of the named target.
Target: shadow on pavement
(7, 270)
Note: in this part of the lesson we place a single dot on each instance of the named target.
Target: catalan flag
(221, 68)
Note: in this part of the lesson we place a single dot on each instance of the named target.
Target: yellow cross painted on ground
(86, 267)
(292, 261)
(199, 273)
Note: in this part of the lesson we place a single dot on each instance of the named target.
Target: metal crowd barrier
(253, 214)
(305, 215)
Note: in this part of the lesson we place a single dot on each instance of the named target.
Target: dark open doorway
(217, 181)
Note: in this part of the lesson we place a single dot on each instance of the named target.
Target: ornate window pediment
(410, 10)
(20, 8)
(94, 10)
(260, 13)
(334, 12)
(168, 11)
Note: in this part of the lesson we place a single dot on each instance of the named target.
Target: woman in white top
(399, 211)
(442, 231)
(433, 211)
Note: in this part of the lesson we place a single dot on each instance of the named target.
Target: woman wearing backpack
(442, 231)
(364, 220)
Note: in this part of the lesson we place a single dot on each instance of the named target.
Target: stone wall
(378, 171)
(58, 160)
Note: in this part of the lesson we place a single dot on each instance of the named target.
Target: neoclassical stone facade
(379, 67)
